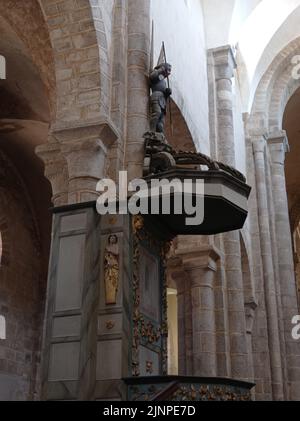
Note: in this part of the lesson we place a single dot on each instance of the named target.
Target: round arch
(274, 91)
(66, 41)
(273, 94)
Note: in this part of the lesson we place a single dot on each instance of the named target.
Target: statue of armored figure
(160, 94)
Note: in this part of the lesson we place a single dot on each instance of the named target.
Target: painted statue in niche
(111, 270)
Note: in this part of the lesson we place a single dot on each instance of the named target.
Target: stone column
(278, 146)
(224, 65)
(201, 267)
(185, 331)
(259, 146)
(138, 90)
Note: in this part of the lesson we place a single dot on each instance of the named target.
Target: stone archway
(65, 41)
(267, 146)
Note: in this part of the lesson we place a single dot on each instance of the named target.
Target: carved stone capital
(103, 130)
(202, 257)
(278, 145)
(177, 273)
(224, 62)
(56, 171)
(85, 150)
(86, 158)
(259, 144)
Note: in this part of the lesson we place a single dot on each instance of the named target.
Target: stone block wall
(22, 291)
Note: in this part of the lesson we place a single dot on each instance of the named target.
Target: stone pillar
(137, 85)
(224, 65)
(201, 267)
(278, 146)
(259, 146)
(185, 330)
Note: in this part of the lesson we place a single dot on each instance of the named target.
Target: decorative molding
(224, 62)
(110, 324)
(199, 257)
(111, 269)
(104, 130)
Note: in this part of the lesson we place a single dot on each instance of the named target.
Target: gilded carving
(111, 270)
(209, 393)
(149, 332)
(144, 330)
(191, 392)
(110, 324)
(138, 223)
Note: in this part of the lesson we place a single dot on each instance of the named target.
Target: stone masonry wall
(21, 295)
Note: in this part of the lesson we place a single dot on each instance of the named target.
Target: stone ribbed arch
(274, 90)
(284, 90)
(273, 94)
